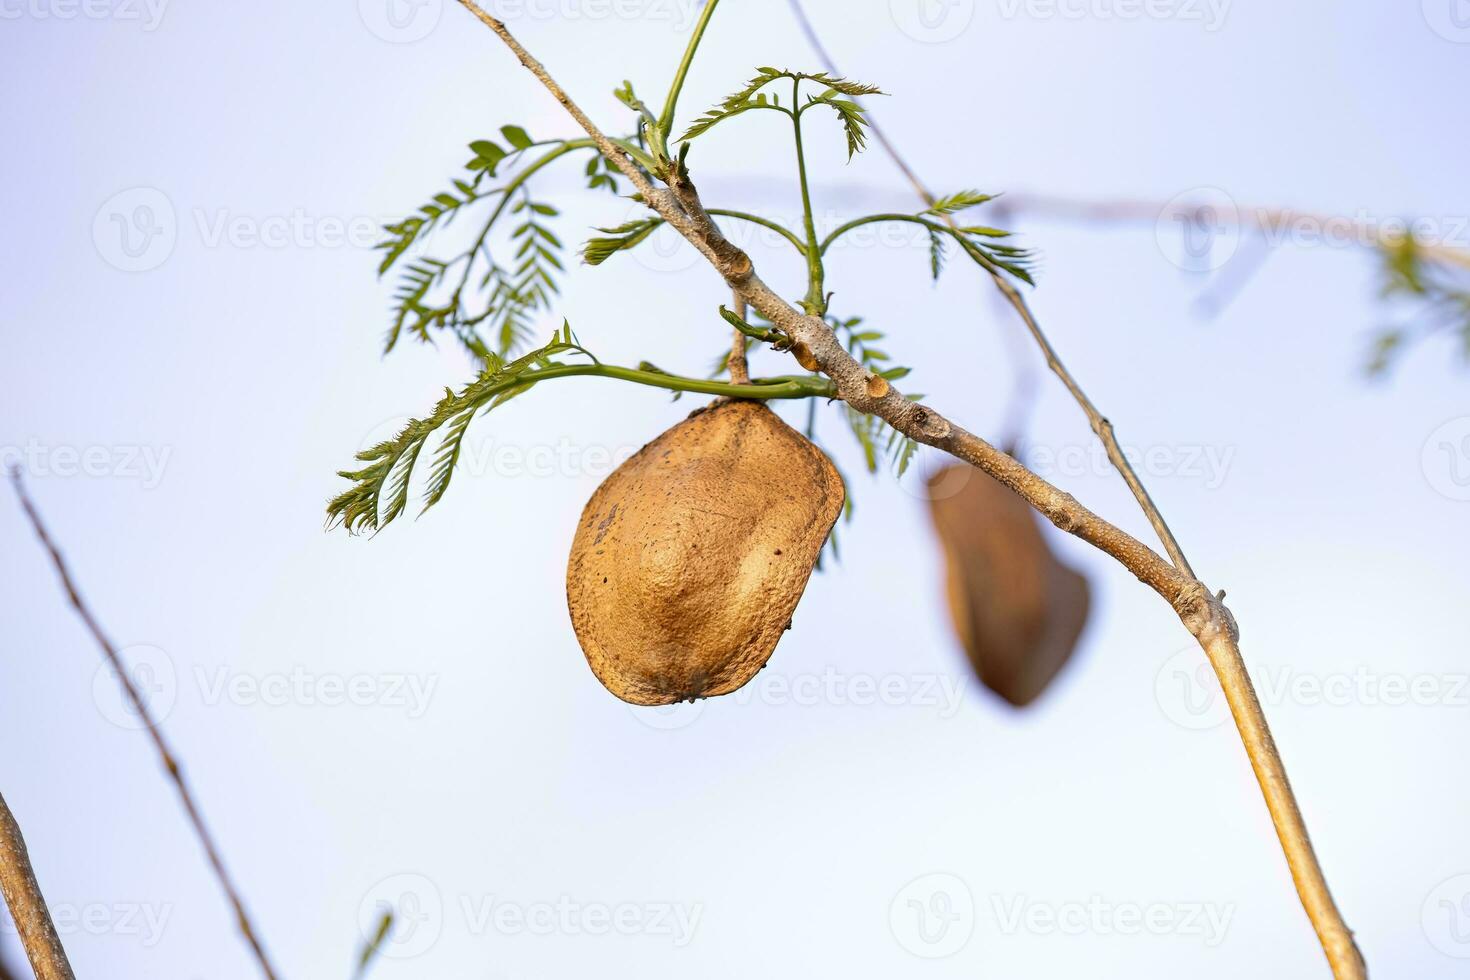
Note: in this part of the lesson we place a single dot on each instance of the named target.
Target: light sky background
(791, 827)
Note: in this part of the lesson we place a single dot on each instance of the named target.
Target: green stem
(816, 301)
(516, 182)
(666, 118)
(784, 232)
(737, 321)
(633, 150)
(872, 218)
(786, 386)
(636, 152)
(506, 191)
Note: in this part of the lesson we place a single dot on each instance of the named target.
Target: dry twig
(165, 754)
(739, 369)
(27, 906)
(1274, 222)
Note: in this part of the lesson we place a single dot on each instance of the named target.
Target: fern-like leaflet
(380, 491)
(958, 201)
(854, 122)
(437, 294)
(978, 241)
(726, 110)
(1439, 291)
(854, 119)
(625, 236)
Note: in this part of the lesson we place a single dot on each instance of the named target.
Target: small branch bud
(803, 355)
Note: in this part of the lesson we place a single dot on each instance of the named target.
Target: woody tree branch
(739, 368)
(1203, 613)
(27, 906)
(1280, 222)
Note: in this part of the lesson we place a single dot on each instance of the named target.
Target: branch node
(932, 424)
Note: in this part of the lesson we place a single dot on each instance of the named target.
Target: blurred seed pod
(1018, 611)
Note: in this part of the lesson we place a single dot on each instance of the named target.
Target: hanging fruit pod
(690, 558)
(1018, 611)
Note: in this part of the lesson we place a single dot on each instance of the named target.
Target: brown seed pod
(691, 557)
(1017, 609)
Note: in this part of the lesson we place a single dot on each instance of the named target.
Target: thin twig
(135, 699)
(1098, 422)
(1202, 612)
(1272, 222)
(739, 368)
(27, 906)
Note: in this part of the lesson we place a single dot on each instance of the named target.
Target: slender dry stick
(1099, 423)
(27, 906)
(1201, 612)
(739, 368)
(1273, 220)
(165, 754)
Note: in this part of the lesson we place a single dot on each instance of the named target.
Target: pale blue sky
(776, 832)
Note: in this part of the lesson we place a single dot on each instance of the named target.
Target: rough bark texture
(690, 558)
(27, 907)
